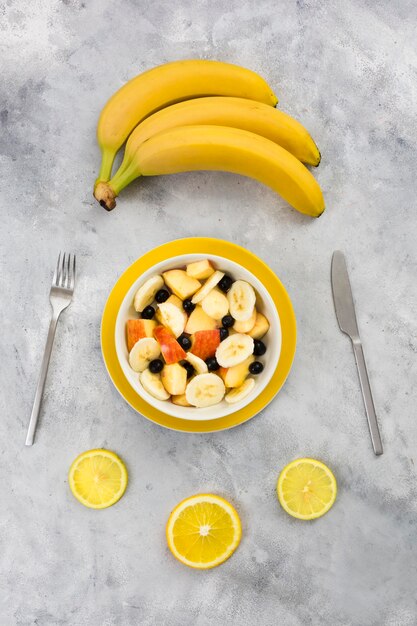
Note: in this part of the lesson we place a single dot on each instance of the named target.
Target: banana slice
(234, 349)
(238, 394)
(145, 295)
(210, 283)
(215, 304)
(153, 385)
(242, 300)
(205, 390)
(144, 351)
(246, 326)
(172, 317)
(198, 364)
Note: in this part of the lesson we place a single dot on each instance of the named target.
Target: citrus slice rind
(97, 478)
(306, 488)
(203, 531)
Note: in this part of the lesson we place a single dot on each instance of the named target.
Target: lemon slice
(97, 478)
(203, 531)
(306, 488)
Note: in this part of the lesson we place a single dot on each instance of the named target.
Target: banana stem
(122, 178)
(107, 160)
(105, 195)
(106, 192)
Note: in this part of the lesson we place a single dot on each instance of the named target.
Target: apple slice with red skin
(204, 343)
(138, 329)
(170, 348)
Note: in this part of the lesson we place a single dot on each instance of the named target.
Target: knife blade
(346, 316)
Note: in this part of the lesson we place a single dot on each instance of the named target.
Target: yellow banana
(188, 148)
(164, 85)
(241, 113)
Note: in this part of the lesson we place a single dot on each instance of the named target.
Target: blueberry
(148, 313)
(188, 306)
(228, 321)
(212, 364)
(259, 348)
(223, 333)
(256, 367)
(162, 295)
(225, 283)
(184, 341)
(156, 366)
(187, 366)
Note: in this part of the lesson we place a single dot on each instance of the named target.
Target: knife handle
(367, 397)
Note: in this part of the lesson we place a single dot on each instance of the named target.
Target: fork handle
(367, 398)
(42, 378)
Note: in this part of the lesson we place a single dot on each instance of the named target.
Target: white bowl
(272, 339)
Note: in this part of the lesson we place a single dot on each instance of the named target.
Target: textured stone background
(348, 71)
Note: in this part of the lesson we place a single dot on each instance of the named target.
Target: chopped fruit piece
(261, 327)
(184, 341)
(188, 306)
(98, 478)
(256, 367)
(182, 285)
(161, 296)
(200, 269)
(259, 348)
(199, 320)
(228, 321)
(215, 304)
(225, 283)
(156, 366)
(136, 329)
(172, 317)
(242, 300)
(212, 364)
(188, 368)
(306, 489)
(234, 350)
(170, 348)
(223, 333)
(236, 375)
(175, 300)
(148, 313)
(152, 384)
(239, 393)
(174, 379)
(246, 326)
(198, 364)
(203, 531)
(205, 390)
(207, 287)
(145, 350)
(145, 295)
(180, 400)
(205, 343)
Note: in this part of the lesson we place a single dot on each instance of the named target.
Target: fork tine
(63, 272)
(72, 281)
(55, 276)
(68, 274)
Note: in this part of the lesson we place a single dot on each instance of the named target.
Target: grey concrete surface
(348, 71)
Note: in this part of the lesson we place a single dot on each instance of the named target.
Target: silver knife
(346, 316)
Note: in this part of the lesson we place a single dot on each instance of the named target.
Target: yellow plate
(199, 245)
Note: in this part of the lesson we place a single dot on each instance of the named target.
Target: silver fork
(60, 297)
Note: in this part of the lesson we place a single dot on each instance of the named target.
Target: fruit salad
(197, 339)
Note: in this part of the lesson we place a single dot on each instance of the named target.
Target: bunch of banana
(205, 115)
